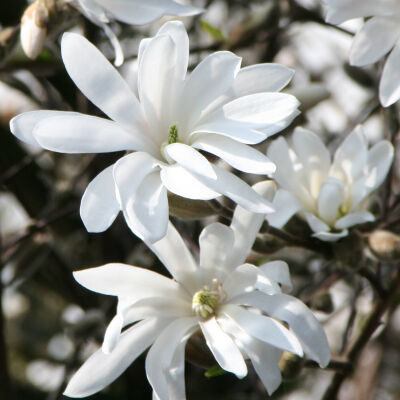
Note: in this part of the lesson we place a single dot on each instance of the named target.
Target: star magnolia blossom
(236, 306)
(134, 12)
(219, 108)
(329, 195)
(379, 35)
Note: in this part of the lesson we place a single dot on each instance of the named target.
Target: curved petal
(263, 328)
(285, 205)
(223, 348)
(180, 181)
(278, 271)
(389, 87)
(246, 224)
(300, 319)
(258, 78)
(174, 254)
(160, 356)
(243, 278)
(99, 204)
(355, 218)
(330, 236)
(238, 155)
(190, 159)
(314, 156)
(219, 71)
(112, 37)
(316, 224)
(331, 197)
(23, 124)
(127, 281)
(216, 241)
(113, 333)
(101, 369)
(147, 212)
(264, 357)
(87, 67)
(374, 40)
(79, 133)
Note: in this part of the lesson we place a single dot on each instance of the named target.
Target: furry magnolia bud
(34, 26)
(384, 245)
(290, 365)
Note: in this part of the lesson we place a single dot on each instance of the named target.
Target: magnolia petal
(351, 156)
(113, 96)
(339, 11)
(99, 204)
(330, 236)
(261, 78)
(264, 357)
(244, 277)
(238, 155)
(161, 353)
(180, 181)
(174, 254)
(355, 218)
(190, 159)
(79, 133)
(300, 319)
(216, 241)
(278, 271)
(263, 328)
(223, 348)
(23, 124)
(219, 71)
(246, 224)
(331, 197)
(314, 157)
(127, 281)
(112, 335)
(316, 224)
(101, 369)
(285, 205)
(389, 88)
(374, 40)
(112, 37)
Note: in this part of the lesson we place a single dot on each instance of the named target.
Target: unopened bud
(189, 209)
(322, 301)
(385, 245)
(290, 365)
(34, 26)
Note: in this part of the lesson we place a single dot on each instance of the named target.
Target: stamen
(173, 134)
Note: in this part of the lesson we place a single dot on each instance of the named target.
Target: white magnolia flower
(219, 108)
(379, 35)
(236, 306)
(133, 12)
(328, 194)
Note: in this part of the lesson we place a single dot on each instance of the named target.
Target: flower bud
(384, 245)
(34, 26)
(322, 301)
(290, 365)
(189, 209)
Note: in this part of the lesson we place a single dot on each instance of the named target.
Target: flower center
(205, 301)
(173, 137)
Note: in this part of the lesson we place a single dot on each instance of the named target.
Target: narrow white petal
(354, 218)
(23, 124)
(112, 37)
(101, 369)
(285, 205)
(316, 224)
(160, 356)
(174, 254)
(243, 278)
(331, 237)
(278, 271)
(263, 328)
(238, 155)
(300, 319)
(99, 204)
(112, 335)
(223, 348)
(331, 197)
(190, 159)
(127, 281)
(87, 67)
(389, 88)
(374, 40)
(261, 78)
(79, 133)
(216, 242)
(246, 224)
